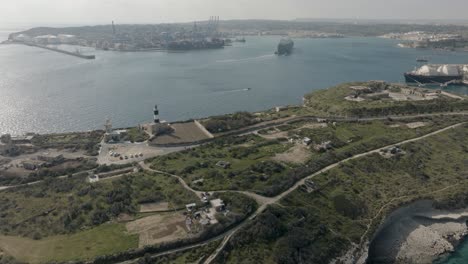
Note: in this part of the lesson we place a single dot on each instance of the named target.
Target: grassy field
(105, 239)
(66, 206)
(351, 201)
(242, 154)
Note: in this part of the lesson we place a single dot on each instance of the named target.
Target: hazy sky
(156, 11)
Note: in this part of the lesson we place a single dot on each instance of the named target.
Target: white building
(67, 39)
(306, 141)
(217, 204)
(47, 39)
(22, 38)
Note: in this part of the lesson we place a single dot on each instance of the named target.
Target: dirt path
(293, 188)
(145, 166)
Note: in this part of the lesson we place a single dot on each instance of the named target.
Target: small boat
(424, 60)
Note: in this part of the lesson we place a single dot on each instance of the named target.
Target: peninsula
(291, 184)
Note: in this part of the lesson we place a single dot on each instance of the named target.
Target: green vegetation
(250, 161)
(69, 219)
(67, 167)
(251, 157)
(88, 141)
(331, 102)
(136, 135)
(239, 208)
(284, 235)
(88, 244)
(218, 124)
(351, 200)
(67, 206)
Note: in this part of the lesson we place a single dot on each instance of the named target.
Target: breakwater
(88, 57)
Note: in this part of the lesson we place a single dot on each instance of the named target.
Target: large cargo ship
(441, 74)
(285, 47)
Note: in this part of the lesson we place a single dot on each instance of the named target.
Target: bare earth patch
(277, 135)
(298, 154)
(158, 228)
(416, 125)
(314, 125)
(154, 207)
(284, 134)
(183, 133)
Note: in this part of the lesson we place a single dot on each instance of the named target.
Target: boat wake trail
(235, 90)
(263, 57)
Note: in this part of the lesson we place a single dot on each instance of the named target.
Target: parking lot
(122, 153)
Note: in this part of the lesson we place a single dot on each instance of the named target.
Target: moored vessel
(441, 74)
(285, 47)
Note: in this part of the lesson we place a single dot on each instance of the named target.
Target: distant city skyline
(85, 12)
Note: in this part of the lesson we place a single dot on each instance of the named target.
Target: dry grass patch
(103, 240)
(154, 207)
(298, 154)
(158, 228)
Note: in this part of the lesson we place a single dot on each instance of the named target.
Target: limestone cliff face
(418, 233)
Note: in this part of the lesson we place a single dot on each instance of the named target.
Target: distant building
(115, 136)
(22, 38)
(362, 89)
(324, 146)
(93, 178)
(223, 164)
(191, 207)
(22, 139)
(280, 108)
(108, 126)
(217, 204)
(46, 39)
(67, 39)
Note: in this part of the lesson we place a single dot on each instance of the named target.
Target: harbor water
(44, 91)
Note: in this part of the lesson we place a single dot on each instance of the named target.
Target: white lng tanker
(442, 74)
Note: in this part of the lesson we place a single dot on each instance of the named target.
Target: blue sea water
(43, 91)
(460, 256)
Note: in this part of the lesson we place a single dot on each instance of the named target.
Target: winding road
(264, 202)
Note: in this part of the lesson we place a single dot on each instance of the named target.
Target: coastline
(418, 233)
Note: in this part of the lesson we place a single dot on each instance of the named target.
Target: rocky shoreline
(418, 233)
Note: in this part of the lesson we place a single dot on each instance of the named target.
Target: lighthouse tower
(108, 126)
(156, 114)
